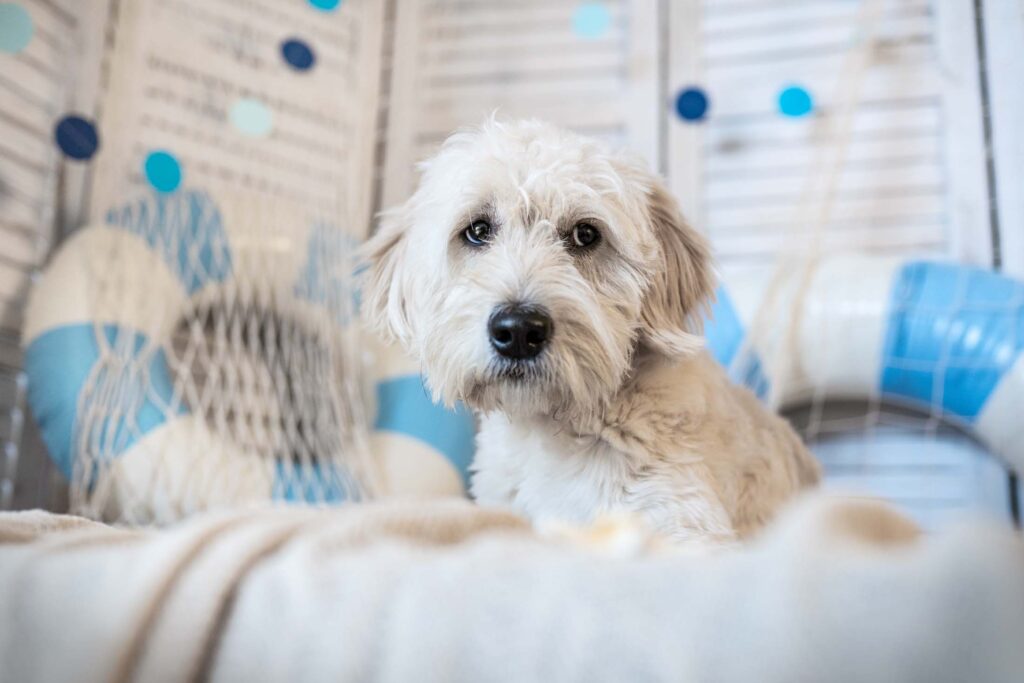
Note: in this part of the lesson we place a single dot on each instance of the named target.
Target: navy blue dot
(692, 104)
(298, 54)
(76, 137)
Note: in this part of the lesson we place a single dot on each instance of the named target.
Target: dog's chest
(548, 473)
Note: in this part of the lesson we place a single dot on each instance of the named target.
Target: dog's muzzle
(520, 332)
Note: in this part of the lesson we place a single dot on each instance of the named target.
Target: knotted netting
(220, 364)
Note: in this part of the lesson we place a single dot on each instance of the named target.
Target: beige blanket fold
(836, 589)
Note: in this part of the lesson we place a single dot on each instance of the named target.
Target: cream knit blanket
(835, 590)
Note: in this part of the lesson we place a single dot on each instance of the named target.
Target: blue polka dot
(692, 104)
(325, 5)
(298, 54)
(795, 101)
(76, 137)
(15, 27)
(591, 20)
(252, 117)
(163, 171)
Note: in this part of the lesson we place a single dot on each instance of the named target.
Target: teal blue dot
(325, 5)
(163, 171)
(252, 117)
(15, 28)
(591, 20)
(795, 101)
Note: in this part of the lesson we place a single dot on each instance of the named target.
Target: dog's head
(531, 266)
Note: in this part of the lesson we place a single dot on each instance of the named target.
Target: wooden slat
(864, 210)
(1004, 31)
(905, 238)
(760, 18)
(754, 157)
(817, 39)
(551, 18)
(498, 66)
(852, 180)
(885, 121)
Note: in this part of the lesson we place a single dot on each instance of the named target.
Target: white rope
(812, 215)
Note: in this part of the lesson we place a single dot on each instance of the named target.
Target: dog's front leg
(684, 504)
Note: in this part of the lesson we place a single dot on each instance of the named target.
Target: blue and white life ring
(929, 334)
(163, 253)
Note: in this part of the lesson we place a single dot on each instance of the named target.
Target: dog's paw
(617, 534)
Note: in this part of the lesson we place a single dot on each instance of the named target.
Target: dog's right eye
(478, 233)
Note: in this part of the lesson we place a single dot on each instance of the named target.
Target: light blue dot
(252, 117)
(163, 171)
(15, 27)
(591, 20)
(325, 5)
(795, 101)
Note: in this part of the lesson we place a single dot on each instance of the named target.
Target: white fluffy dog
(555, 288)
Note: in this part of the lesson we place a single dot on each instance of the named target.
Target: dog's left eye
(584, 235)
(478, 233)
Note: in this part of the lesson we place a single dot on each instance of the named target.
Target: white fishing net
(902, 377)
(232, 374)
(895, 369)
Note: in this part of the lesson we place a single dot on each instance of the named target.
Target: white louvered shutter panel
(913, 178)
(168, 94)
(33, 96)
(456, 61)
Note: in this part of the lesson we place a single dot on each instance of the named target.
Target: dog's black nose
(519, 332)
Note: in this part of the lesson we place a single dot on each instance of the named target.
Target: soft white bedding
(836, 590)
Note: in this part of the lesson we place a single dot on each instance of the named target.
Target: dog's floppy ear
(681, 289)
(385, 302)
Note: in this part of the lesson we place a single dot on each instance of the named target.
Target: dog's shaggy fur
(622, 409)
